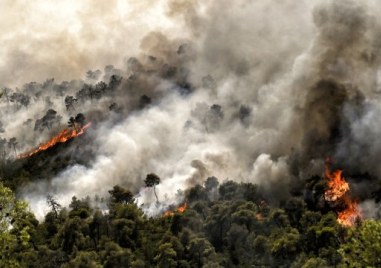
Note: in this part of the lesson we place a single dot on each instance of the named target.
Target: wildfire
(338, 192)
(180, 209)
(348, 216)
(337, 186)
(62, 137)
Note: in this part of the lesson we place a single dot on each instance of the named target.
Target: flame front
(180, 209)
(337, 186)
(62, 137)
(348, 216)
(338, 192)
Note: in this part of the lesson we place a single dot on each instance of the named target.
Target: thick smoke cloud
(261, 91)
(64, 39)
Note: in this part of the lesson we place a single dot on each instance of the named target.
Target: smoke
(254, 91)
(64, 39)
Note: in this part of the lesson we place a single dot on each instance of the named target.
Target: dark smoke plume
(257, 91)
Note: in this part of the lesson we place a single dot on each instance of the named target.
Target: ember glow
(62, 137)
(338, 193)
(180, 209)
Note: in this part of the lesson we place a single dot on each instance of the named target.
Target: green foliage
(152, 180)
(224, 226)
(363, 246)
(286, 245)
(14, 235)
(120, 195)
(84, 260)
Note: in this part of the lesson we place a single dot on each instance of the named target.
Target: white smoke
(262, 55)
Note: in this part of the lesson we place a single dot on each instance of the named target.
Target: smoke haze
(258, 91)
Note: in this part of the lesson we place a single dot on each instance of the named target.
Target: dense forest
(204, 134)
(223, 225)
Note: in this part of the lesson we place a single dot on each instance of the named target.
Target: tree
(144, 101)
(72, 235)
(114, 82)
(211, 183)
(53, 204)
(20, 98)
(93, 75)
(80, 119)
(5, 93)
(286, 245)
(71, 123)
(246, 215)
(151, 181)
(363, 247)
(100, 88)
(1, 127)
(69, 102)
(229, 190)
(12, 144)
(114, 107)
(80, 208)
(13, 233)
(201, 251)
(121, 195)
(166, 257)
(85, 92)
(115, 256)
(218, 224)
(196, 193)
(84, 259)
(47, 121)
(3, 143)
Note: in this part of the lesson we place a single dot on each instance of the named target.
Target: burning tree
(151, 181)
(80, 119)
(71, 123)
(61, 137)
(76, 122)
(337, 193)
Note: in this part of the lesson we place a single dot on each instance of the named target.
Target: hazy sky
(41, 39)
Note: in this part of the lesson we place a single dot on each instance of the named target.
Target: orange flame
(338, 192)
(337, 186)
(348, 216)
(180, 209)
(63, 136)
(259, 217)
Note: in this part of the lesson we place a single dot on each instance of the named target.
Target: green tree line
(227, 225)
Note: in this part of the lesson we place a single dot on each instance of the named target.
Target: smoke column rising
(274, 86)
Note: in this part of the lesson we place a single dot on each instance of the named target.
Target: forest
(218, 223)
(223, 225)
(195, 133)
